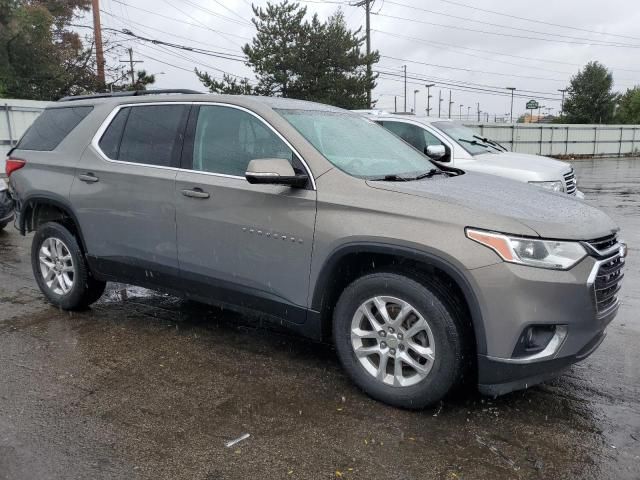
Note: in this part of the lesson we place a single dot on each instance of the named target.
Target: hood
(519, 166)
(551, 215)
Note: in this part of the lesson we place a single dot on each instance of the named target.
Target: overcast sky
(446, 42)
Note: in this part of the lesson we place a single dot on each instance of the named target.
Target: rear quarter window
(51, 127)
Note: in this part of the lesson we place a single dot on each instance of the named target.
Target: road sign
(532, 105)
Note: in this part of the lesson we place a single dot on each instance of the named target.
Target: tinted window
(51, 127)
(152, 135)
(464, 136)
(110, 141)
(227, 139)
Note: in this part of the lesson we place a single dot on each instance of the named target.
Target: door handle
(195, 193)
(88, 177)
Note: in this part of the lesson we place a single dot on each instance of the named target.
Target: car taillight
(12, 165)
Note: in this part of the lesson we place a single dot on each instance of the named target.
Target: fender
(49, 199)
(447, 265)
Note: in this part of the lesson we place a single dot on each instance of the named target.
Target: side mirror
(274, 171)
(435, 152)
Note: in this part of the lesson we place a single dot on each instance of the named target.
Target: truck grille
(609, 276)
(570, 182)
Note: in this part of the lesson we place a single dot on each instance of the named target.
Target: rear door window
(148, 134)
(51, 127)
(227, 139)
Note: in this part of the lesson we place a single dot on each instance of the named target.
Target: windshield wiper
(491, 142)
(431, 173)
(475, 142)
(392, 178)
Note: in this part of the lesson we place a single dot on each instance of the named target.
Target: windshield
(464, 136)
(357, 145)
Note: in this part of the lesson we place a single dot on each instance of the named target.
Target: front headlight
(556, 186)
(554, 254)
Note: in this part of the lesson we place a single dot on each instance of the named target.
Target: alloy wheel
(56, 266)
(392, 341)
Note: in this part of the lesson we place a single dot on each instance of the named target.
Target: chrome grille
(570, 182)
(609, 276)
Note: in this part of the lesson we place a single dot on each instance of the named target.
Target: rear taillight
(12, 165)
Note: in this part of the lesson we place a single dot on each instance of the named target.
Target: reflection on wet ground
(147, 386)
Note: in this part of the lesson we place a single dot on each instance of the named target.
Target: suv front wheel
(60, 269)
(398, 340)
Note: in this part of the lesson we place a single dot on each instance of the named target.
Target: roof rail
(133, 93)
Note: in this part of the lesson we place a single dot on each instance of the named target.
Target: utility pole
(131, 61)
(367, 6)
(429, 85)
(405, 87)
(478, 104)
(562, 90)
(450, 103)
(511, 114)
(97, 36)
(439, 102)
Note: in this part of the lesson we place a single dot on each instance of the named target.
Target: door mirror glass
(435, 152)
(274, 171)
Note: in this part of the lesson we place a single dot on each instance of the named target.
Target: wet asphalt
(144, 385)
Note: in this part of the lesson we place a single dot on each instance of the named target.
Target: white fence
(560, 140)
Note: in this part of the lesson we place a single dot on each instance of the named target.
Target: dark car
(6, 205)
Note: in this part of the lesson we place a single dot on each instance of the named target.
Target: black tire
(2, 225)
(85, 289)
(446, 328)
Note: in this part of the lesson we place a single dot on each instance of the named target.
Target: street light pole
(468, 113)
(562, 90)
(461, 105)
(439, 102)
(429, 85)
(450, 103)
(511, 114)
(415, 107)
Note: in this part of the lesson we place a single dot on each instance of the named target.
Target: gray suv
(422, 275)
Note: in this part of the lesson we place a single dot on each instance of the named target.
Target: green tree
(629, 106)
(142, 81)
(590, 98)
(275, 51)
(228, 84)
(40, 58)
(296, 58)
(335, 66)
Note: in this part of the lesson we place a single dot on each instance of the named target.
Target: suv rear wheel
(61, 270)
(398, 340)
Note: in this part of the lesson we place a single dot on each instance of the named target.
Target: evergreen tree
(629, 107)
(228, 84)
(296, 58)
(589, 97)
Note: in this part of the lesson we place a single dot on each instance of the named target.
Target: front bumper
(514, 297)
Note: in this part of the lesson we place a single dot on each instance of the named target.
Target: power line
(471, 70)
(453, 86)
(483, 22)
(126, 23)
(502, 54)
(501, 34)
(485, 10)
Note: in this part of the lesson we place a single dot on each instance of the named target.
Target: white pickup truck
(451, 142)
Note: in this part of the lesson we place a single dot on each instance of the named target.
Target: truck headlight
(555, 186)
(553, 254)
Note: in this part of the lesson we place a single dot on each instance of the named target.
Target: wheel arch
(348, 262)
(41, 208)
